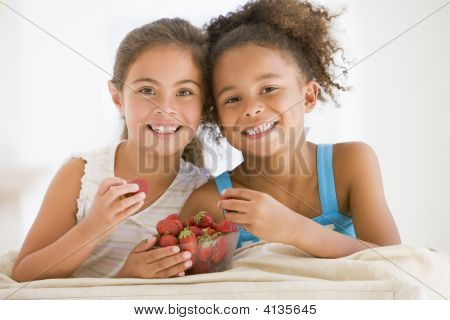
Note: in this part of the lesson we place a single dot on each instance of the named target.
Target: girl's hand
(157, 263)
(110, 206)
(261, 215)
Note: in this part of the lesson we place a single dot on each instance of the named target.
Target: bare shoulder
(67, 180)
(350, 157)
(203, 198)
(57, 213)
(350, 161)
(352, 148)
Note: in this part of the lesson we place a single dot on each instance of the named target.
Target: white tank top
(110, 255)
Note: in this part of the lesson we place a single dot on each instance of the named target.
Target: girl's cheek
(229, 120)
(192, 113)
(226, 116)
(136, 114)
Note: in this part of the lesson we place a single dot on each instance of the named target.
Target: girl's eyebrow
(177, 83)
(267, 76)
(259, 78)
(225, 89)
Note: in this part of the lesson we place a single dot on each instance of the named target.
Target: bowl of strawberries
(211, 244)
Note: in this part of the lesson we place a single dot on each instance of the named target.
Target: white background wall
(54, 102)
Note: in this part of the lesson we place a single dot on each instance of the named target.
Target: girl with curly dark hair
(269, 63)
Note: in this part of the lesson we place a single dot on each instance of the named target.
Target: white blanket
(267, 271)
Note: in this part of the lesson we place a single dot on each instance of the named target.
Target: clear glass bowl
(215, 256)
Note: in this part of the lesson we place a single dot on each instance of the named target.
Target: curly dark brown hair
(296, 28)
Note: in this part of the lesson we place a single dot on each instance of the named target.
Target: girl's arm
(372, 220)
(54, 233)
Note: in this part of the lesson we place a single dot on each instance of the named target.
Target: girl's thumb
(144, 245)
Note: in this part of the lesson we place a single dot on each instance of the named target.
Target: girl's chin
(163, 148)
(262, 151)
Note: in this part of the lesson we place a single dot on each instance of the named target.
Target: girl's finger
(240, 193)
(109, 182)
(145, 245)
(160, 253)
(175, 270)
(239, 218)
(115, 192)
(123, 204)
(234, 205)
(124, 213)
(170, 261)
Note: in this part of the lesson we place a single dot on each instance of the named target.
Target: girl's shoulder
(349, 156)
(354, 163)
(103, 153)
(348, 160)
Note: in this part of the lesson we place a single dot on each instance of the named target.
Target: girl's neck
(281, 167)
(131, 161)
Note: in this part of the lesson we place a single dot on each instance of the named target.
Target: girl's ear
(116, 97)
(311, 92)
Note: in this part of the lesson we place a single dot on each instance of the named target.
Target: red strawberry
(196, 230)
(221, 249)
(209, 231)
(226, 226)
(201, 267)
(204, 220)
(168, 226)
(190, 221)
(143, 186)
(180, 224)
(168, 240)
(173, 216)
(188, 241)
(206, 248)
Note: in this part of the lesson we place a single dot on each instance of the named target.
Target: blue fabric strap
(325, 175)
(223, 182)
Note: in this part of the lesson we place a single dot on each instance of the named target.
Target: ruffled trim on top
(99, 165)
(200, 175)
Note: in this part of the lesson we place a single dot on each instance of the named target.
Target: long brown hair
(174, 31)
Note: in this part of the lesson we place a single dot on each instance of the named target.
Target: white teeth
(261, 128)
(163, 129)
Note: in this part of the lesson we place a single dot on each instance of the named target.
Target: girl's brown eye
(268, 89)
(148, 91)
(231, 100)
(184, 93)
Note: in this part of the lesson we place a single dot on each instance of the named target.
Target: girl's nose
(164, 110)
(253, 110)
(164, 106)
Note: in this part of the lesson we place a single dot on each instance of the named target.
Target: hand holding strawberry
(260, 214)
(142, 184)
(157, 263)
(110, 206)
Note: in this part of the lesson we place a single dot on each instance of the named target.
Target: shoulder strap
(223, 181)
(325, 176)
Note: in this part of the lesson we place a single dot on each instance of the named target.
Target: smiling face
(261, 99)
(162, 99)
